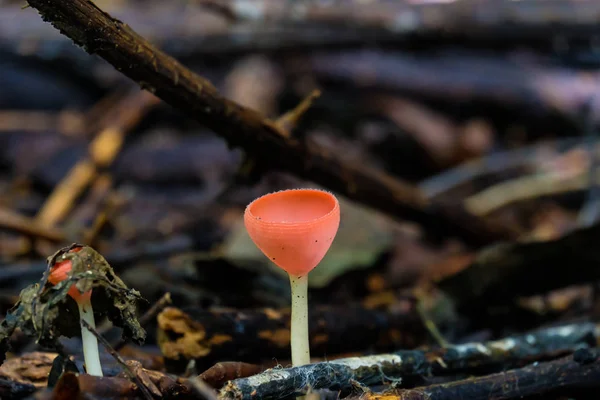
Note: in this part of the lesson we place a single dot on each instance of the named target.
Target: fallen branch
(99, 33)
(379, 369)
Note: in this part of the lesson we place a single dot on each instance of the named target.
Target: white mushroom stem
(299, 324)
(89, 340)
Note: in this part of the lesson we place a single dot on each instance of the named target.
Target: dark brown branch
(100, 34)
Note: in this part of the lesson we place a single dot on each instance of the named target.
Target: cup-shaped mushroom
(294, 228)
(60, 271)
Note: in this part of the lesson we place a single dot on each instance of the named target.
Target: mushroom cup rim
(334, 209)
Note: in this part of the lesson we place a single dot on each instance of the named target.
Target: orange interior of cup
(60, 271)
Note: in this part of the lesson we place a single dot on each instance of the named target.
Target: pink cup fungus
(59, 272)
(294, 229)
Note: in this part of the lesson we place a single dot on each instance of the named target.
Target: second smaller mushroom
(294, 229)
(58, 273)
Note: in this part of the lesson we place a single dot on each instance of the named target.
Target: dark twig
(154, 70)
(288, 121)
(373, 370)
(120, 360)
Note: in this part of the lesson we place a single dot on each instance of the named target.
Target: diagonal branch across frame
(99, 33)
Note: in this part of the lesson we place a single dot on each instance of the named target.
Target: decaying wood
(261, 335)
(386, 368)
(154, 70)
(576, 373)
(503, 272)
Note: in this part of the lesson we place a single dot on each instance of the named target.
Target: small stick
(288, 121)
(119, 359)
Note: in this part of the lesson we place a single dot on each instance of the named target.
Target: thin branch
(117, 43)
(288, 121)
(120, 360)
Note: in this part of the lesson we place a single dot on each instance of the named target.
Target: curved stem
(299, 323)
(89, 341)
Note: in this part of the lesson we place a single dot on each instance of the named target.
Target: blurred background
(488, 107)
